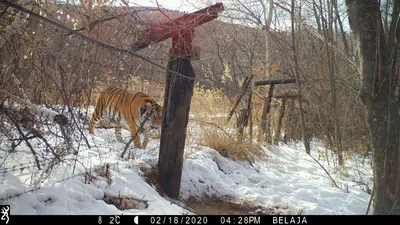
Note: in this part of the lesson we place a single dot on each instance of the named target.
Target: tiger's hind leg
(92, 123)
(118, 134)
(96, 115)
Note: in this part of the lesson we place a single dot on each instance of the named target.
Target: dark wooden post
(287, 103)
(177, 98)
(281, 115)
(178, 90)
(264, 117)
(242, 122)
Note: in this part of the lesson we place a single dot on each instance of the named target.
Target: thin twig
(370, 200)
(91, 25)
(2, 12)
(213, 124)
(245, 86)
(49, 146)
(140, 129)
(325, 171)
(29, 145)
(141, 200)
(23, 136)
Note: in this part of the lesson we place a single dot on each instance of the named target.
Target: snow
(287, 178)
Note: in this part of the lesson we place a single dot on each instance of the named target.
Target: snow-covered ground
(287, 178)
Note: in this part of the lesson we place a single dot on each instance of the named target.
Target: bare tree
(378, 52)
(267, 21)
(298, 82)
(330, 55)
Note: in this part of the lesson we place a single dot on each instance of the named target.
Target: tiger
(121, 109)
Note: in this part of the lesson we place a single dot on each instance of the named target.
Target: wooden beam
(162, 32)
(287, 96)
(273, 82)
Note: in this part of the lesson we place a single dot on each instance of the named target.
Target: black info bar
(196, 219)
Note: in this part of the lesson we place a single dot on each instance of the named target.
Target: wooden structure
(282, 112)
(178, 90)
(267, 104)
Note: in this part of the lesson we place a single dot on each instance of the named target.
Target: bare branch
(79, 34)
(325, 171)
(245, 86)
(282, 7)
(320, 37)
(91, 25)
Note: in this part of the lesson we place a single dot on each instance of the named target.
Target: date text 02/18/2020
(169, 220)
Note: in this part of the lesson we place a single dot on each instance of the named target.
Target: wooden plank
(273, 82)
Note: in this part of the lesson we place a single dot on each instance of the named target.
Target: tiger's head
(153, 112)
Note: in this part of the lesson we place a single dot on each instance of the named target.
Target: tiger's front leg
(146, 138)
(136, 140)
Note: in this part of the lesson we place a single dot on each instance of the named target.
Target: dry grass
(151, 176)
(124, 202)
(210, 109)
(229, 147)
(209, 104)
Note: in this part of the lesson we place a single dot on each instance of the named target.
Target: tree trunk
(378, 97)
(267, 20)
(177, 98)
(328, 36)
(249, 113)
(346, 45)
(317, 18)
(304, 133)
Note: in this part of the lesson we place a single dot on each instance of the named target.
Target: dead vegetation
(209, 110)
(227, 146)
(124, 202)
(150, 174)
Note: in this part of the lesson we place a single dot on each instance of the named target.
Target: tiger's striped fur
(121, 109)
